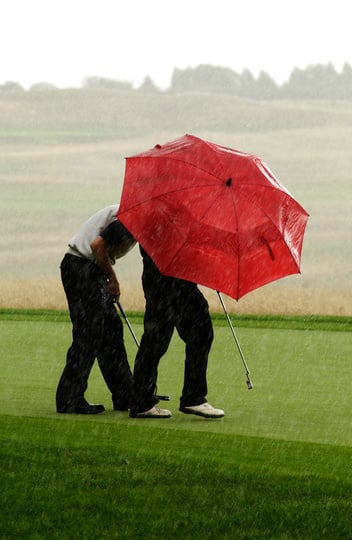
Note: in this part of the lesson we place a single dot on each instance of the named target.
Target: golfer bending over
(91, 288)
(172, 303)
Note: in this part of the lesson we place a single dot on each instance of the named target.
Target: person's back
(91, 288)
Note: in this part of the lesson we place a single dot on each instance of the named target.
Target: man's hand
(114, 289)
(103, 260)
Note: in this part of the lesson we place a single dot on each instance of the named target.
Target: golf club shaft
(249, 383)
(128, 323)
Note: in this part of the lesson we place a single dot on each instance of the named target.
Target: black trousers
(97, 332)
(172, 303)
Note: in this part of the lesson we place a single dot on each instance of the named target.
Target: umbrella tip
(228, 182)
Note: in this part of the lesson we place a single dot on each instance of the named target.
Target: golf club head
(249, 384)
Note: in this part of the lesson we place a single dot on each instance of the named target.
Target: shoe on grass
(89, 409)
(82, 407)
(121, 407)
(154, 412)
(205, 409)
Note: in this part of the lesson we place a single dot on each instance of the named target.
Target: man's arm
(102, 258)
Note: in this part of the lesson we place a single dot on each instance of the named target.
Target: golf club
(248, 380)
(128, 323)
(122, 311)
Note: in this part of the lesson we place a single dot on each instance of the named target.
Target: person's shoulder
(110, 210)
(112, 207)
(106, 215)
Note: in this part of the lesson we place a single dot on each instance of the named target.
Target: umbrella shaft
(233, 333)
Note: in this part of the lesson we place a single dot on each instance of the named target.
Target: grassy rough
(77, 479)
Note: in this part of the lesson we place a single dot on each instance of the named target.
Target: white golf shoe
(205, 409)
(154, 412)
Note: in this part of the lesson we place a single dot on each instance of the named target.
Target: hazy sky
(63, 41)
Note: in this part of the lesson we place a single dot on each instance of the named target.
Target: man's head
(125, 240)
(123, 233)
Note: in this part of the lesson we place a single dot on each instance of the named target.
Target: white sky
(63, 41)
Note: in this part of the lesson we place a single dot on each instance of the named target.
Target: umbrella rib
(183, 243)
(238, 246)
(188, 164)
(276, 227)
(157, 196)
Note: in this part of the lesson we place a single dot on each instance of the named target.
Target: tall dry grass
(48, 294)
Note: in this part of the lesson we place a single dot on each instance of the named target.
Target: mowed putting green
(278, 465)
(302, 378)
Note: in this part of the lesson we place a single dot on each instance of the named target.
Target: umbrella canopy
(212, 215)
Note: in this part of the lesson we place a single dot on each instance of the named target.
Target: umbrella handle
(248, 381)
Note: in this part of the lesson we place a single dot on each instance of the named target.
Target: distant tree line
(318, 81)
(314, 82)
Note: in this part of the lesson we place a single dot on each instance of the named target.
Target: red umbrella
(212, 215)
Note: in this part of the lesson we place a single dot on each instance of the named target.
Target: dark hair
(123, 232)
(116, 232)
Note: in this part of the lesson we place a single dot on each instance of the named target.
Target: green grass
(77, 479)
(277, 466)
(309, 322)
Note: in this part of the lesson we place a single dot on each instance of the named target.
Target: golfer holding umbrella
(172, 303)
(210, 215)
